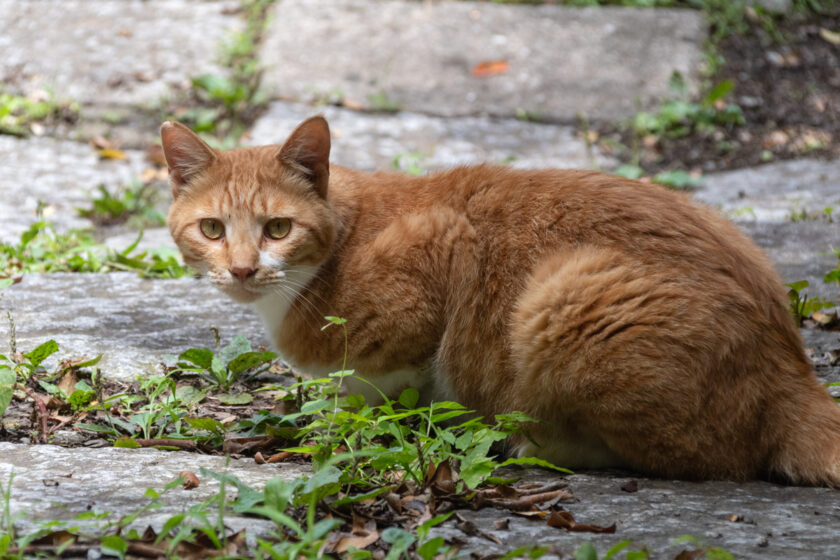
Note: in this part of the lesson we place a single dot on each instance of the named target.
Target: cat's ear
(187, 155)
(308, 151)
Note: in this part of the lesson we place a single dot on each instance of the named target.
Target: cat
(643, 330)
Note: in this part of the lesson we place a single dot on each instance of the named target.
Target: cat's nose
(243, 272)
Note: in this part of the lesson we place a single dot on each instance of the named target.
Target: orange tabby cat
(645, 331)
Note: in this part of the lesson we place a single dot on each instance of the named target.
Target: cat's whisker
(290, 295)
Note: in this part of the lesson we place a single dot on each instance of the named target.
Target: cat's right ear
(187, 155)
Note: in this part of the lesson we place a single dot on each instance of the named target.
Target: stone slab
(800, 251)
(131, 321)
(561, 61)
(55, 483)
(779, 522)
(772, 192)
(127, 52)
(372, 141)
(62, 174)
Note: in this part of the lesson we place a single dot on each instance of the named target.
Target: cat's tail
(808, 448)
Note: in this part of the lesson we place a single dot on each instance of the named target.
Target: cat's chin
(240, 294)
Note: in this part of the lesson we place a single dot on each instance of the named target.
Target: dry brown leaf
(490, 68)
(68, 381)
(502, 524)
(190, 480)
(259, 459)
(363, 534)
(101, 143)
(630, 486)
(565, 520)
(279, 457)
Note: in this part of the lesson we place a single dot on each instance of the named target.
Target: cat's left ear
(187, 155)
(308, 151)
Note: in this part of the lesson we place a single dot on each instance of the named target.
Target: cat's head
(256, 221)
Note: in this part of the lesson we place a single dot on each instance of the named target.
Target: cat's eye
(278, 228)
(212, 228)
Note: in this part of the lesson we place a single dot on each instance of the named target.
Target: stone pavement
(561, 62)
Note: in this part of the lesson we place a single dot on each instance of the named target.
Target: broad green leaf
(719, 92)
(629, 171)
(279, 492)
(400, 541)
(206, 424)
(7, 385)
(798, 286)
(237, 345)
(126, 442)
(6, 282)
(170, 524)
(314, 406)
(250, 360)
(42, 352)
(320, 485)
(88, 363)
(114, 545)
(429, 549)
(201, 357)
(358, 401)
(409, 397)
(586, 552)
(616, 548)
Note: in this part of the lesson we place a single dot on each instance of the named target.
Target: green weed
(228, 103)
(675, 179)
(233, 363)
(18, 114)
(380, 102)
(409, 162)
(133, 204)
(834, 274)
(42, 249)
(800, 304)
(680, 117)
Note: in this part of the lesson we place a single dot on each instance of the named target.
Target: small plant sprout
(801, 305)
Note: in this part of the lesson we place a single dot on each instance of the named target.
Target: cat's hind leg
(626, 358)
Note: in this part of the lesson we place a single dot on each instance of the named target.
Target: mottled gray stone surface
(372, 141)
(800, 251)
(561, 61)
(56, 483)
(779, 522)
(773, 192)
(60, 173)
(131, 321)
(114, 51)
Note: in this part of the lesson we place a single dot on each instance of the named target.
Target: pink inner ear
(186, 153)
(308, 147)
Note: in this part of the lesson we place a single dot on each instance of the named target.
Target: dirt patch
(787, 83)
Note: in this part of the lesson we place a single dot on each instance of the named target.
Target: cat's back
(521, 216)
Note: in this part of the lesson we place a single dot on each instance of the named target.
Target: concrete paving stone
(131, 321)
(602, 62)
(57, 483)
(772, 192)
(372, 141)
(127, 52)
(778, 522)
(800, 251)
(62, 174)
